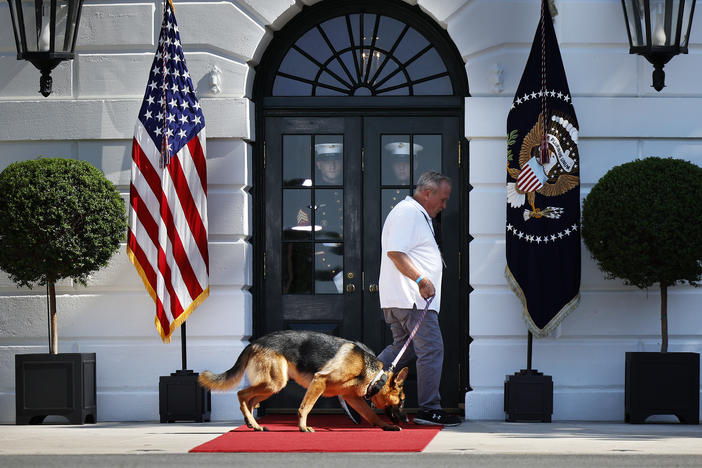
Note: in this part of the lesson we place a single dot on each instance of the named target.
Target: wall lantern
(45, 35)
(659, 30)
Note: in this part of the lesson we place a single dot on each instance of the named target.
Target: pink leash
(409, 339)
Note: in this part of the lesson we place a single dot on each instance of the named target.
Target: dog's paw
(391, 427)
(306, 429)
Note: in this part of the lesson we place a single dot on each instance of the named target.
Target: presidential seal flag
(543, 188)
(167, 236)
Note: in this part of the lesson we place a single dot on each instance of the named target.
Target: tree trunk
(664, 318)
(53, 342)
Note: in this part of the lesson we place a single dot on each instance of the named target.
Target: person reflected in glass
(398, 157)
(329, 163)
(329, 217)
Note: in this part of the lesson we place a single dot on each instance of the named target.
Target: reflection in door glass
(329, 268)
(329, 213)
(297, 215)
(329, 161)
(396, 160)
(298, 268)
(296, 160)
(429, 158)
(390, 198)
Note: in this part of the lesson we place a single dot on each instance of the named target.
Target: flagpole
(183, 346)
(530, 339)
(172, 117)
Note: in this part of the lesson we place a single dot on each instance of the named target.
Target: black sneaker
(436, 417)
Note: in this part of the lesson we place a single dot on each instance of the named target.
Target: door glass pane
(298, 65)
(329, 213)
(395, 159)
(390, 198)
(298, 269)
(427, 64)
(329, 268)
(427, 154)
(297, 167)
(283, 86)
(329, 161)
(437, 86)
(388, 32)
(412, 43)
(686, 24)
(637, 22)
(297, 214)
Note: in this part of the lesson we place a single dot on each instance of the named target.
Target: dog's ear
(401, 376)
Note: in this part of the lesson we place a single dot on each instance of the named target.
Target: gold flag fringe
(166, 334)
(553, 323)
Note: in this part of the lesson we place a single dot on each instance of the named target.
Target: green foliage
(59, 218)
(511, 139)
(642, 222)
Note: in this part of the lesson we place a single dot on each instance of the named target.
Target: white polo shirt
(408, 229)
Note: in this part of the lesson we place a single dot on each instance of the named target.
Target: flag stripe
(145, 265)
(146, 221)
(198, 154)
(190, 208)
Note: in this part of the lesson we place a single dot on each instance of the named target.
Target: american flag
(167, 237)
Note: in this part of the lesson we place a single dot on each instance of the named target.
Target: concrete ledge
(595, 405)
(109, 119)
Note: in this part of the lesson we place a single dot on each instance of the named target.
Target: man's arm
(405, 265)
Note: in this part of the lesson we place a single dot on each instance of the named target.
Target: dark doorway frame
(375, 106)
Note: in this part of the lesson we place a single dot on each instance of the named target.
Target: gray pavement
(474, 443)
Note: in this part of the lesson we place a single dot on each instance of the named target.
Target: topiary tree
(59, 218)
(642, 222)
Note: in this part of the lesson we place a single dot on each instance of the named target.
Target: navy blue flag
(543, 188)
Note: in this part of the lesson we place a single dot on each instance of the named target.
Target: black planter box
(528, 396)
(662, 383)
(181, 398)
(55, 385)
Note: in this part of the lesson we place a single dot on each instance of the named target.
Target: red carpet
(333, 433)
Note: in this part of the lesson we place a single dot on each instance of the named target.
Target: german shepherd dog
(323, 364)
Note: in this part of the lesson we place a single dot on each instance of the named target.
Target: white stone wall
(91, 113)
(621, 118)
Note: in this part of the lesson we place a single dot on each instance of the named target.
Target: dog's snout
(396, 414)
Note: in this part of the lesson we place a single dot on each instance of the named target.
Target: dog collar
(376, 384)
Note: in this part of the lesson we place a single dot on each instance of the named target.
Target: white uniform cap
(328, 148)
(401, 148)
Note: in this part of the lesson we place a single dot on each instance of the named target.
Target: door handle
(350, 288)
(373, 288)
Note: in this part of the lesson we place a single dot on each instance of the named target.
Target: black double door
(329, 184)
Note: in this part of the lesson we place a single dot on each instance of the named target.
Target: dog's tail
(228, 379)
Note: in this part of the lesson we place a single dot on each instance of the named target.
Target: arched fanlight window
(362, 54)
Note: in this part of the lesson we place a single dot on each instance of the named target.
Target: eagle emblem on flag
(551, 176)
